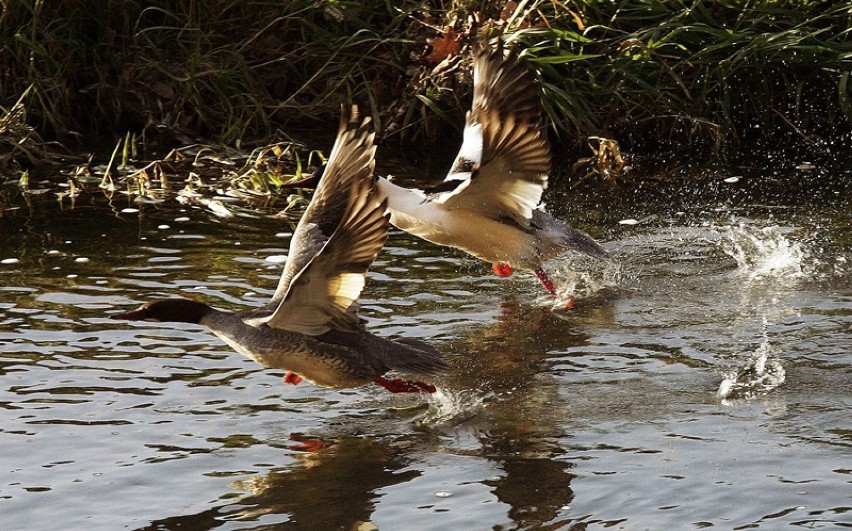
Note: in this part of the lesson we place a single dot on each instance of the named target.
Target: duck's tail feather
(410, 356)
(563, 235)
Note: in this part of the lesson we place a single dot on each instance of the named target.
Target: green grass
(702, 78)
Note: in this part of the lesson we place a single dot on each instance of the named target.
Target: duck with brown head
(311, 326)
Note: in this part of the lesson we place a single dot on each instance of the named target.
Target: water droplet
(630, 221)
(72, 275)
(9, 261)
(163, 227)
(732, 180)
(181, 219)
(129, 210)
(81, 259)
(53, 251)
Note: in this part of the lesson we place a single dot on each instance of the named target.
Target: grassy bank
(700, 79)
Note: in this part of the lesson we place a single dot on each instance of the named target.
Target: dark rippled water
(705, 381)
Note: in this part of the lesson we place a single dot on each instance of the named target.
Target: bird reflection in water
(519, 425)
(336, 488)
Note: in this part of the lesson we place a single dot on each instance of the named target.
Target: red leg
(404, 386)
(502, 270)
(292, 378)
(545, 281)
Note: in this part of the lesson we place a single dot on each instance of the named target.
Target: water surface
(703, 381)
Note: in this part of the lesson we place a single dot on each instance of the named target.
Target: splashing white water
(582, 277)
(450, 408)
(763, 252)
(761, 373)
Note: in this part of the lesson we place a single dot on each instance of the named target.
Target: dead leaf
(443, 46)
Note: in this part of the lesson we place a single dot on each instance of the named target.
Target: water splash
(451, 407)
(583, 277)
(761, 373)
(763, 253)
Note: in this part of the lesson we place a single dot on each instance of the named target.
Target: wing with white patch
(502, 83)
(338, 238)
(512, 176)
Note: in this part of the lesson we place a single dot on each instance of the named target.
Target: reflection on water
(336, 488)
(607, 415)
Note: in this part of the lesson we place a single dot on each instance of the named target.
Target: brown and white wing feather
(352, 153)
(502, 84)
(512, 176)
(344, 229)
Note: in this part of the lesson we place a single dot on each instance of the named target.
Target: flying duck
(489, 205)
(311, 326)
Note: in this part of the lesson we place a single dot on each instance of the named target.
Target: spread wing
(502, 83)
(502, 167)
(509, 181)
(336, 241)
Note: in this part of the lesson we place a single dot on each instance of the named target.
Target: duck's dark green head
(167, 310)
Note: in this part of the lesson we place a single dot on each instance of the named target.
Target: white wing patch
(512, 175)
(470, 153)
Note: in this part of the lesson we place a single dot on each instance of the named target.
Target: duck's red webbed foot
(292, 378)
(502, 270)
(404, 386)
